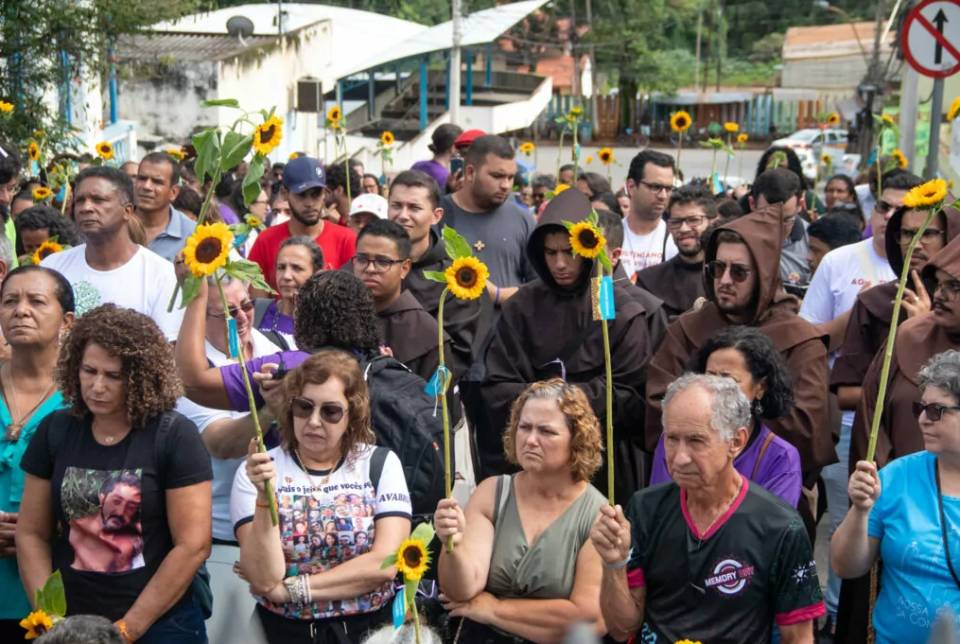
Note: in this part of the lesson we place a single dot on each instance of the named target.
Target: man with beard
(679, 280)
(110, 540)
(782, 187)
(742, 287)
(305, 189)
(336, 195)
(548, 330)
(649, 184)
(157, 185)
(495, 226)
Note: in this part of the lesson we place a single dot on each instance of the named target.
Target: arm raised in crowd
(202, 383)
(852, 550)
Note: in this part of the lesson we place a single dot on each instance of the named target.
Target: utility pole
(575, 87)
(696, 65)
(455, 63)
(593, 72)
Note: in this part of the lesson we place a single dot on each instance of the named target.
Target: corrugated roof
(827, 41)
(184, 46)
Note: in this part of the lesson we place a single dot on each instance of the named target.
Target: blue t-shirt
(915, 582)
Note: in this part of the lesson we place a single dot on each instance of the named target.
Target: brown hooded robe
(411, 333)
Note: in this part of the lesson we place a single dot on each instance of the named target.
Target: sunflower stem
(679, 149)
(442, 400)
(560, 153)
(267, 485)
(892, 334)
(204, 207)
(726, 164)
(608, 368)
(575, 156)
(416, 618)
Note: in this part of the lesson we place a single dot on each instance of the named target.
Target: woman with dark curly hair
(748, 356)
(523, 566)
(119, 484)
(326, 463)
(39, 224)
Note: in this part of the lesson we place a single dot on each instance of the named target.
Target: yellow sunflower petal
(680, 121)
(527, 147)
(743, 137)
(267, 135)
(42, 193)
(467, 278)
(33, 151)
(334, 116)
(208, 249)
(6, 107)
(954, 110)
(563, 186)
(900, 157)
(833, 119)
(387, 139)
(926, 195)
(413, 559)
(731, 127)
(605, 155)
(45, 249)
(888, 120)
(586, 239)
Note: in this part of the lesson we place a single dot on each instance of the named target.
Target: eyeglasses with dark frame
(717, 269)
(380, 264)
(906, 234)
(303, 408)
(657, 187)
(234, 311)
(934, 411)
(691, 222)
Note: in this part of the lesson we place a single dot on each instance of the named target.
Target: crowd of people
(746, 348)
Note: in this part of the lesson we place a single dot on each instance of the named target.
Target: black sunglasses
(303, 408)
(934, 411)
(234, 311)
(738, 272)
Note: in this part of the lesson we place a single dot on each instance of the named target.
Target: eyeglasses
(883, 207)
(934, 411)
(906, 235)
(717, 269)
(303, 408)
(380, 264)
(657, 187)
(692, 222)
(234, 311)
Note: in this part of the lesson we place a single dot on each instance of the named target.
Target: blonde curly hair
(585, 446)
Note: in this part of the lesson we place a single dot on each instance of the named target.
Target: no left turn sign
(930, 39)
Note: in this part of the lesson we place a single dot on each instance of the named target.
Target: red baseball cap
(466, 139)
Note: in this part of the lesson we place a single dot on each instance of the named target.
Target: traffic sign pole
(936, 112)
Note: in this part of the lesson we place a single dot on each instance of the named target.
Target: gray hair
(402, 635)
(6, 252)
(82, 629)
(943, 371)
(729, 409)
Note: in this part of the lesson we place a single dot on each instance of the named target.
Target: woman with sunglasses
(908, 515)
(338, 592)
(298, 259)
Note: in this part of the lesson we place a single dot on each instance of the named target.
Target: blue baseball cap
(302, 174)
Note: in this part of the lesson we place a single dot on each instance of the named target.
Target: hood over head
(762, 232)
(570, 205)
(892, 235)
(946, 260)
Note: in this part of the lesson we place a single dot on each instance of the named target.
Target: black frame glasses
(380, 264)
(717, 269)
(934, 411)
(302, 407)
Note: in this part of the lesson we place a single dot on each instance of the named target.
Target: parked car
(812, 144)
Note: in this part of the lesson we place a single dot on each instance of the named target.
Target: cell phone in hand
(456, 165)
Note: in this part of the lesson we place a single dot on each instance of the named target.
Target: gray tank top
(544, 570)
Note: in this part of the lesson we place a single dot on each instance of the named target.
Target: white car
(812, 144)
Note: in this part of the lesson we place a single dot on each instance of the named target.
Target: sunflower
(387, 139)
(586, 239)
(954, 109)
(901, 158)
(33, 151)
(576, 112)
(686, 642)
(207, 249)
(253, 221)
(826, 159)
(833, 119)
(104, 150)
(888, 120)
(42, 193)
(36, 623)
(563, 186)
(46, 249)
(267, 135)
(293, 155)
(176, 153)
(680, 121)
(334, 116)
(412, 559)
(6, 107)
(731, 127)
(467, 278)
(527, 148)
(742, 138)
(926, 195)
(588, 160)
(605, 155)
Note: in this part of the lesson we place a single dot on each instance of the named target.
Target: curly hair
(45, 217)
(317, 369)
(152, 385)
(763, 361)
(335, 310)
(585, 446)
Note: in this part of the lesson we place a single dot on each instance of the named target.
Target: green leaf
(251, 182)
(191, 288)
(435, 276)
(51, 598)
(221, 102)
(389, 562)
(423, 533)
(207, 144)
(235, 148)
(592, 218)
(457, 246)
(605, 262)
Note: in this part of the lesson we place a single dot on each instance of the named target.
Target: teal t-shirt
(13, 600)
(915, 583)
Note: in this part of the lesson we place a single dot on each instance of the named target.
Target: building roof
(828, 41)
(184, 46)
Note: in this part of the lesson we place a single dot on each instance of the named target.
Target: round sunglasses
(304, 407)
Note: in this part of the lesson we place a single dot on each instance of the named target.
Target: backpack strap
(161, 457)
(377, 459)
(763, 450)
(503, 493)
(260, 307)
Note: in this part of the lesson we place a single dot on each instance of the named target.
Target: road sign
(930, 38)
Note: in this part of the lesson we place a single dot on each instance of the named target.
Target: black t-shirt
(111, 532)
(753, 567)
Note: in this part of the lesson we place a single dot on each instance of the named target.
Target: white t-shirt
(842, 274)
(323, 524)
(203, 417)
(144, 284)
(641, 251)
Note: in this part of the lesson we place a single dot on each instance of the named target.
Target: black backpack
(408, 422)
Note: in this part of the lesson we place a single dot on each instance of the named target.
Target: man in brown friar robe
(547, 330)
(742, 286)
(679, 280)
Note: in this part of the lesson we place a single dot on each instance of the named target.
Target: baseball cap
(302, 174)
(374, 204)
(466, 139)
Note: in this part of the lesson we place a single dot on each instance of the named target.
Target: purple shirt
(778, 472)
(438, 171)
(233, 377)
(228, 215)
(274, 320)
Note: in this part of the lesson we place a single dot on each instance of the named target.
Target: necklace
(17, 421)
(315, 486)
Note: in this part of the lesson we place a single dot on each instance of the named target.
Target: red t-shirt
(337, 242)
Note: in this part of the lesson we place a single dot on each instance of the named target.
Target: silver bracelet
(305, 590)
(293, 589)
(619, 565)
